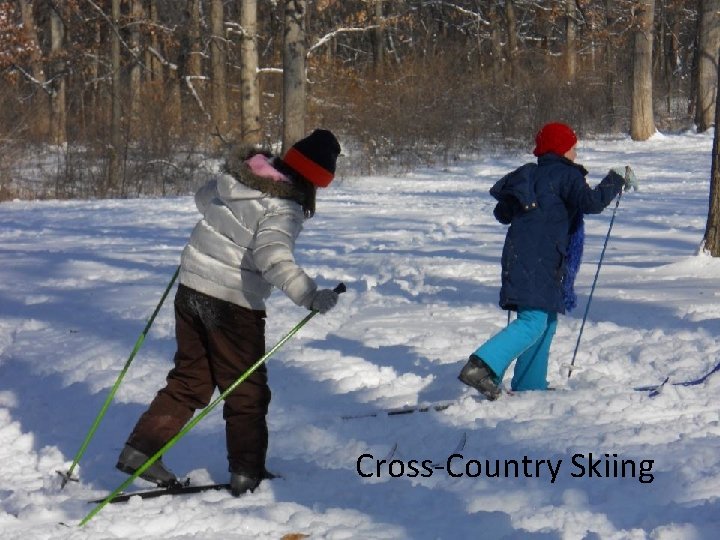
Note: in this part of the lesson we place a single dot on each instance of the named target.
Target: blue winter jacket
(544, 204)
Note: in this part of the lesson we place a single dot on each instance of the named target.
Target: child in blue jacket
(544, 205)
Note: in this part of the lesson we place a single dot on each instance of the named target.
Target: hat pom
(314, 157)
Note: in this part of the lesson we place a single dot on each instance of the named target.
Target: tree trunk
(190, 60)
(294, 77)
(114, 165)
(41, 101)
(96, 100)
(712, 229)
(659, 44)
(58, 115)
(642, 121)
(249, 84)
(512, 33)
(218, 61)
(570, 37)
(172, 89)
(609, 63)
(193, 64)
(137, 15)
(154, 64)
(496, 43)
(708, 46)
(156, 70)
(377, 39)
(672, 63)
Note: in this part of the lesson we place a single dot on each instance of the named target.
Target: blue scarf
(572, 263)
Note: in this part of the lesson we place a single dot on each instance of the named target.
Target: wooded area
(129, 97)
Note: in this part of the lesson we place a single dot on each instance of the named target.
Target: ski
(423, 407)
(179, 488)
(160, 492)
(435, 406)
(439, 406)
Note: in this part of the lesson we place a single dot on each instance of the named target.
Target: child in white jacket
(240, 249)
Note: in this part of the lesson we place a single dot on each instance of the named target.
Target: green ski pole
(66, 477)
(192, 423)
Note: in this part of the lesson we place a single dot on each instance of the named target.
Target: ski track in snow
(420, 256)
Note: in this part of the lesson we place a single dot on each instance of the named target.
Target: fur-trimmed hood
(243, 245)
(235, 165)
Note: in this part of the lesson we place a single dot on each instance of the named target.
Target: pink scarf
(260, 165)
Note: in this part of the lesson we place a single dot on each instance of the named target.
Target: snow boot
(477, 374)
(130, 460)
(241, 483)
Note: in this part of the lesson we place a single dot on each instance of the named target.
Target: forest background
(127, 98)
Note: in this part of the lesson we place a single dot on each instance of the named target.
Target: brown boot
(130, 460)
(477, 374)
(241, 483)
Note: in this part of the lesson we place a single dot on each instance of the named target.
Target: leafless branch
(188, 82)
(327, 37)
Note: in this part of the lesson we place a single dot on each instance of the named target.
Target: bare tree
(137, 13)
(642, 121)
(193, 64)
(41, 103)
(712, 228)
(58, 117)
(152, 62)
(218, 62)
(609, 59)
(570, 40)
(94, 49)
(294, 72)
(708, 47)
(190, 60)
(377, 37)
(512, 35)
(249, 84)
(497, 57)
(114, 165)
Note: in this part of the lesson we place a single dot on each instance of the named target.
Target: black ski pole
(192, 423)
(67, 476)
(592, 290)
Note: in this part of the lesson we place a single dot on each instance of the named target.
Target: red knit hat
(314, 157)
(554, 137)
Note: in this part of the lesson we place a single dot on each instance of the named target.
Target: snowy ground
(420, 256)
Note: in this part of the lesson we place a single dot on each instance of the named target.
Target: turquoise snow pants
(528, 339)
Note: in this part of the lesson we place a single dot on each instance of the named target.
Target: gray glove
(324, 300)
(628, 174)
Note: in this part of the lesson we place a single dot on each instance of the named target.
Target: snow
(420, 256)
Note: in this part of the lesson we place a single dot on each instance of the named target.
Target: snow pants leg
(216, 343)
(528, 339)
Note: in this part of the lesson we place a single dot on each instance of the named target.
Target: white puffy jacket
(244, 245)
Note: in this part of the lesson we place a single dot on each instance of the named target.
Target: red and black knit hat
(554, 137)
(314, 157)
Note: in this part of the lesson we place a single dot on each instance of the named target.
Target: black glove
(324, 300)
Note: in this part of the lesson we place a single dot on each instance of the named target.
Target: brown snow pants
(217, 341)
